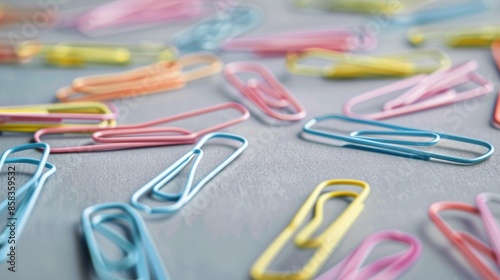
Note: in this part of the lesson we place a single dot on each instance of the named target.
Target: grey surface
(235, 217)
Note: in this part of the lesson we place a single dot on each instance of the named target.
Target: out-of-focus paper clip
(479, 36)
(10, 15)
(390, 267)
(323, 243)
(128, 136)
(469, 245)
(31, 118)
(25, 195)
(129, 12)
(162, 76)
(495, 49)
(74, 54)
(370, 140)
(140, 258)
(425, 92)
(336, 39)
(10, 55)
(210, 34)
(268, 93)
(358, 6)
(356, 66)
(155, 186)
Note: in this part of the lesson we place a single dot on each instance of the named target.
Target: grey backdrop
(235, 217)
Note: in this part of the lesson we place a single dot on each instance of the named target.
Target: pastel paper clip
(478, 36)
(19, 209)
(31, 118)
(106, 19)
(370, 140)
(10, 55)
(140, 258)
(355, 66)
(267, 93)
(147, 134)
(387, 268)
(162, 76)
(469, 245)
(335, 39)
(323, 243)
(16, 15)
(211, 34)
(155, 186)
(424, 92)
(357, 6)
(495, 49)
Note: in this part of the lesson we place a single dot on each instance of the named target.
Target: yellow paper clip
(35, 117)
(325, 242)
(78, 54)
(481, 36)
(358, 6)
(355, 66)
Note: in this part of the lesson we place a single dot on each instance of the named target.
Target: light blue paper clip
(359, 140)
(210, 34)
(442, 13)
(25, 195)
(140, 255)
(189, 191)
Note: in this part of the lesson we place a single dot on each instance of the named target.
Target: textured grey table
(229, 223)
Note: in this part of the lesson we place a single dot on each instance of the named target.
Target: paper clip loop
(424, 92)
(128, 136)
(390, 267)
(26, 195)
(162, 76)
(357, 139)
(335, 39)
(210, 34)
(325, 242)
(140, 257)
(268, 93)
(495, 49)
(465, 242)
(31, 118)
(356, 66)
(190, 188)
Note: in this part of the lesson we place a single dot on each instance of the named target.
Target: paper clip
(11, 15)
(495, 49)
(31, 118)
(424, 92)
(479, 36)
(155, 186)
(10, 55)
(25, 195)
(335, 39)
(210, 34)
(325, 242)
(128, 136)
(268, 94)
(140, 255)
(358, 6)
(367, 140)
(390, 267)
(356, 66)
(128, 12)
(162, 76)
(467, 244)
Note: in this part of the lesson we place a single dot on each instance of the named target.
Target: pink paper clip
(495, 49)
(129, 136)
(387, 268)
(121, 12)
(337, 39)
(465, 242)
(424, 92)
(268, 94)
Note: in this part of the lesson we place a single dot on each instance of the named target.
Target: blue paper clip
(189, 191)
(25, 196)
(140, 255)
(357, 139)
(210, 34)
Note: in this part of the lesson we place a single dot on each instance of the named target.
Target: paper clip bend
(190, 188)
(26, 195)
(356, 66)
(325, 242)
(210, 34)
(389, 267)
(141, 256)
(162, 76)
(397, 147)
(424, 92)
(128, 136)
(268, 93)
